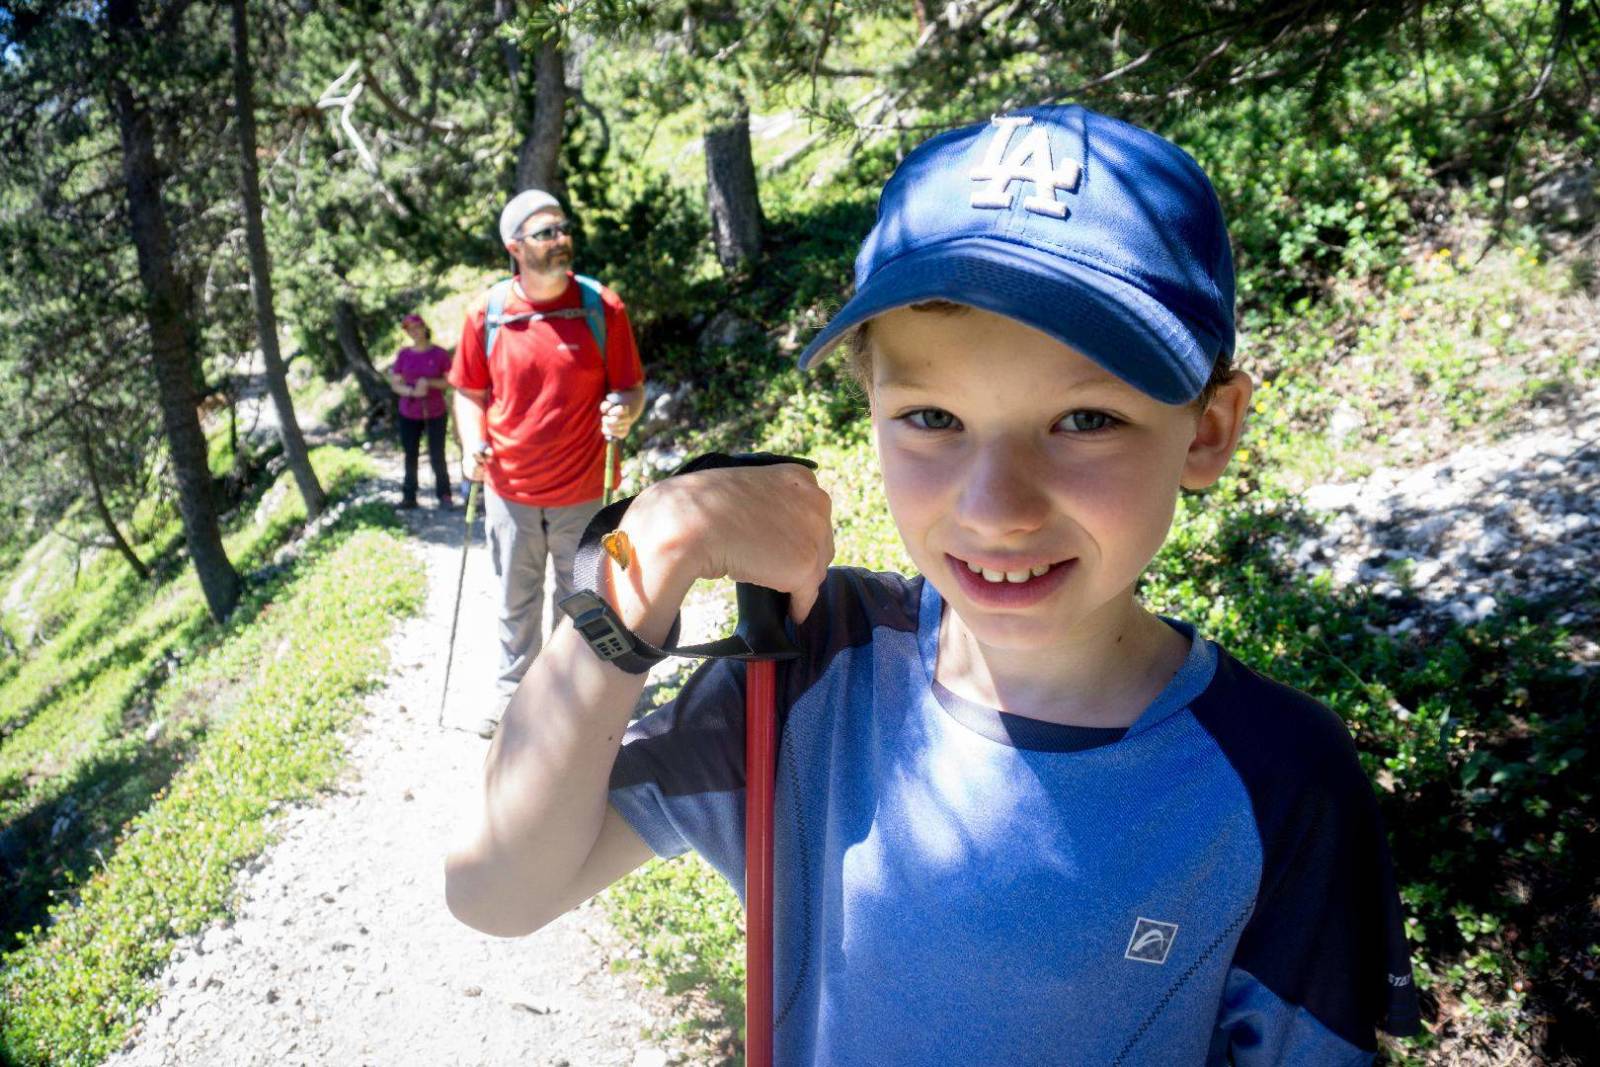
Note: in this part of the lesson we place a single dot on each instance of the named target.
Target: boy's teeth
(1016, 577)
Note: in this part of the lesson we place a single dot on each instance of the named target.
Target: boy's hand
(770, 526)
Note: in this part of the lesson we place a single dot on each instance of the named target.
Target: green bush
(75, 984)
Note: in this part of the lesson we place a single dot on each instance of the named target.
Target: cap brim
(1110, 321)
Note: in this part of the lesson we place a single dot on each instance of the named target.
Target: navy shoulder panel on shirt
(1327, 933)
(695, 743)
(851, 604)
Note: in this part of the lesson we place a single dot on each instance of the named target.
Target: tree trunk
(374, 386)
(294, 443)
(86, 450)
(173, 356)
(539, 159)
(731, 194)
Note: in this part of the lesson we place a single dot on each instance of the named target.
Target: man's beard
(555, 261)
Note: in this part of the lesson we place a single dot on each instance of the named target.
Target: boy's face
(1007, 451)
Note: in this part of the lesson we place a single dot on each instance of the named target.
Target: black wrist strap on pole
(760, 632)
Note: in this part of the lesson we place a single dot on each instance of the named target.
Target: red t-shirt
(546, 381)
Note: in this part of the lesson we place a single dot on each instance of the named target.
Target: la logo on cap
(1026, 160)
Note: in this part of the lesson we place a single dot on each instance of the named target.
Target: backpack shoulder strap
(499, 293)
(594, 309)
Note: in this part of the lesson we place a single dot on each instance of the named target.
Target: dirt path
(341, 950)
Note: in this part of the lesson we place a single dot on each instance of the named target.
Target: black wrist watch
(613, 642)
(595, 620)
(598, 623)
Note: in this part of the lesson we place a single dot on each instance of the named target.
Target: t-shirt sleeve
(470, 369)
(623, 369)
(1323, 961)
(679, 777)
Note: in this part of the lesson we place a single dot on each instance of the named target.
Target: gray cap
(519, 207)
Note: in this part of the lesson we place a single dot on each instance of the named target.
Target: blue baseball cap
(1086, 228)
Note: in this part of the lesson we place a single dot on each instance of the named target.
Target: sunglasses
(550, 233)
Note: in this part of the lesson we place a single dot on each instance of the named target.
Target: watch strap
(639, 655)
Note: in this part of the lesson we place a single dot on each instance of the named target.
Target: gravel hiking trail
(340, 950)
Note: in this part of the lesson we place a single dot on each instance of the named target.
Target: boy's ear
(1217, 432)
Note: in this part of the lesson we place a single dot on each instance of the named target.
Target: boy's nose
(1002, 492)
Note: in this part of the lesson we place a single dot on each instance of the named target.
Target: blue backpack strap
(594, 309)
(498, 294)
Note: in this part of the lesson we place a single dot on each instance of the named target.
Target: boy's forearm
(547, 776)
(545, 790)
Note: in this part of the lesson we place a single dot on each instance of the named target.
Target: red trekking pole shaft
(760, 753)
(761, 623)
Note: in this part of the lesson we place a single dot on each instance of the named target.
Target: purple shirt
(412, 364)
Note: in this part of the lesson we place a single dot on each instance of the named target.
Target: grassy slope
(139, 735)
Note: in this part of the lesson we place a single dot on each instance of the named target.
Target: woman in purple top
(418, 377)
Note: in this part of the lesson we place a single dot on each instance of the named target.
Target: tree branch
(398, 111)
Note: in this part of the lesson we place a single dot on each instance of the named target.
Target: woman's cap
(412, 317)
(519, 207)
(1086, 228)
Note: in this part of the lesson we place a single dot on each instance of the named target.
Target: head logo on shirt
(1029, 160)
(1151, 941)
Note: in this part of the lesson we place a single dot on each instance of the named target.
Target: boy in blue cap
(1020, 819)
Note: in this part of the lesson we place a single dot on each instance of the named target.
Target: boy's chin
(1048, 628)
(1004, 632)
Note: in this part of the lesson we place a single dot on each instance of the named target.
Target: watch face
(602, 630)
(603, 633)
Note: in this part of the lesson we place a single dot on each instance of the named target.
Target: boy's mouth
(1018, 585)
(1013, 576)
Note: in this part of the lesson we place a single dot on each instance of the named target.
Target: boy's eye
(1086, 421)
(931, 419)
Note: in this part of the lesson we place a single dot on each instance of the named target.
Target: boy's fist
(770, 526)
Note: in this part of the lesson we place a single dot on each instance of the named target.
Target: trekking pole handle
(762, 614)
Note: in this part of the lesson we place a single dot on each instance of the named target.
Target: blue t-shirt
(956, 885)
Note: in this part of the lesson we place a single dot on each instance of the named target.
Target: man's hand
(616, 417)
(474, 460)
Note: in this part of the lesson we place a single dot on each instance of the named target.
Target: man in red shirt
(533, 416)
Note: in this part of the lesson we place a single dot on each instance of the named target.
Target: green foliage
(1450, 346)
(257, 721)
(697, 948)
(126, 685)
(1344, 140)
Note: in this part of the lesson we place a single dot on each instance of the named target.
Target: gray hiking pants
(520, 539)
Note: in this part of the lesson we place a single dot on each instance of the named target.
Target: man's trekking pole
(761, 615)
(461, 581)
(611, 473)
